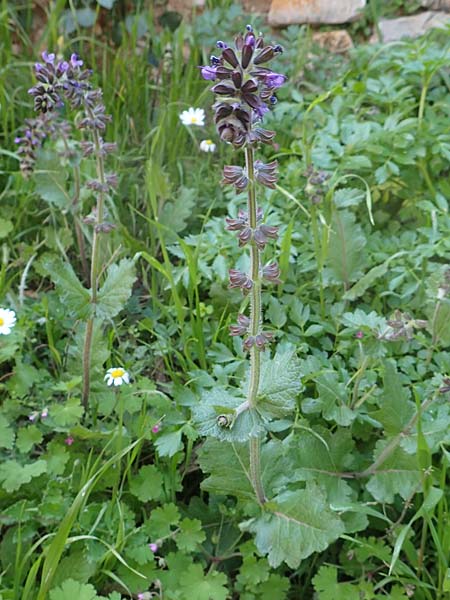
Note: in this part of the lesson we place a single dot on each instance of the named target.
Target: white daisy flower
(207, 146)
(116, 376)
(193, 116)
(7, 320)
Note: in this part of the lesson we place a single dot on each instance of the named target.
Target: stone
(337, 41)
(412, 27)
(436, 4)
(289, 12)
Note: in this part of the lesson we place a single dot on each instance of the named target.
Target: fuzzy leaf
(13, 475)
(280, 385)
(50, 180)
(176, 214)
(396, 409)
(297, 524)
(219, 402)
(345, 256)
(116, 289)
(6, 434)
(398, 474)
(75, 297)
(225, 463)
(147, 484)
(321, 458)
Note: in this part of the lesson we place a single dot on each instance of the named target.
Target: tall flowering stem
(245, 90)
(67, 82)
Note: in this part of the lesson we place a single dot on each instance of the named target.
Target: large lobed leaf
(280, 385)
(296, 524)
(76, 298)
(116, 289)
(345, 256)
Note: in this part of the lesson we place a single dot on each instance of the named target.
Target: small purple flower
(153, 547)
(75, 61)
(241, 327)
(240, 280)
(32, 417)
(359, 335)
(69, 440)
(44, 413)
(209, 73)
(274, 80)
(48, 58)
(271, 272)
(156, 428)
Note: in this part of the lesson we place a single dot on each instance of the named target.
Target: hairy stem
(95, 267)
(255, 323)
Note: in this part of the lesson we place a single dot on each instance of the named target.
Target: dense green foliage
(353, 395)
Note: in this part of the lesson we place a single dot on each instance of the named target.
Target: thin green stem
(255, 324)
(95, 265)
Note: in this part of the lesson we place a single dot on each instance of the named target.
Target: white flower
(117, 376)
(207, 146)
(193, 116)
(7, 321)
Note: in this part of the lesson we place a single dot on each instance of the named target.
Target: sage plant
(244, 92)
(61, 82)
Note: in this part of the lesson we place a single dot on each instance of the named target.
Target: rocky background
(418, 17)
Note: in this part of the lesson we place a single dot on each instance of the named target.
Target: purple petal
(209, 73)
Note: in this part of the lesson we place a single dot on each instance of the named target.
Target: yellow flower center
(208, 142)
(2, 321)
(117, 373)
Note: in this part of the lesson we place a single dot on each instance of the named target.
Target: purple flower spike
(240, 280)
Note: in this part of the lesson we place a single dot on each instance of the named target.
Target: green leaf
(6, 434)
(280, 385)
(116, 289)
(190, 535)
(56, 457)
(50, 180)
(176, 213)
(334, 399)
(71, 589)
(161, 521)
(147, 484)
(73, 295)
(398, 474)
(369, 278)
(328, 588)
(28, 437)
(169, 443)
(13, 475)
(396, 410)
(210, 586)
(296, 524)
(217, 402)
(6, 227)
(225, 464)
(67, 414)
(345, 245)
(320, 457)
